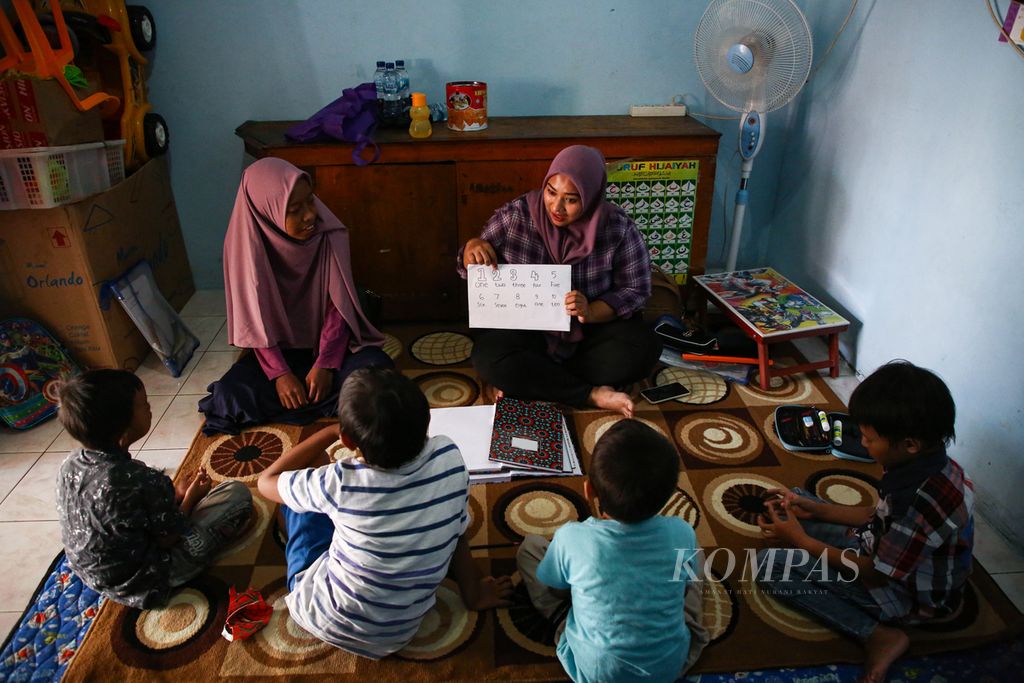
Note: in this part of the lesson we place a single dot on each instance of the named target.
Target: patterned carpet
(730, 455)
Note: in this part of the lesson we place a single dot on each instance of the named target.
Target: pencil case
(810, 429)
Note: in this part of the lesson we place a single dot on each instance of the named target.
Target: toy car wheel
(155, 134)
(143, 27)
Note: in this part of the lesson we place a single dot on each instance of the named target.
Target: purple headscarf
(572, 243)
(276, 286)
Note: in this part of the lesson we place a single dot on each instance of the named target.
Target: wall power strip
(657, 110)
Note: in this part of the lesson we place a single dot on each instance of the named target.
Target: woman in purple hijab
(608, 347)
(291, 299)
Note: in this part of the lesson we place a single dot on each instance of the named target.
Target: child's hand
(319, 382)
(797, 505)
(200, 486)
(290, 391)
(781, 525)
(492, 591)
(180, 488)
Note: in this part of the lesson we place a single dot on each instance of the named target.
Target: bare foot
(609, 399)
(884, 646)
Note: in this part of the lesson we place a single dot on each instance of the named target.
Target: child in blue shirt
(620, 567)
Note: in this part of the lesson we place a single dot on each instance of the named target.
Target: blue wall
(900, 200)
(218, 64)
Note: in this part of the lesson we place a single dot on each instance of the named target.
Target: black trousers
(615, 354)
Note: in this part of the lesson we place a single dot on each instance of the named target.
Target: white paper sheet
(519, 297)
(470, 428)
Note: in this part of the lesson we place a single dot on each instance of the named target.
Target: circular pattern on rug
(442, 348)
(721, 611)
(783, 618)
(392, 346)
(961, 618)
(524, 625)
(768, 429)
(719, 438)
(337, 451)
(445, 629)
(538, 508)
(786, 389)
(598, 427)
(255, 530)
(283, 644)
(844, 487)
(681, 505)
(734, 500)
(705, 387)
(476, 517)
(448, 389)
(176, 634)
(242, 457)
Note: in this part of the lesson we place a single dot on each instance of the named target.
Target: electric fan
(753, 56)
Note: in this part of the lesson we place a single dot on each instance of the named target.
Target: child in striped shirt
(371, 537)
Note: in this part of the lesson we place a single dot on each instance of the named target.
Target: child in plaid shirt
(902, 561)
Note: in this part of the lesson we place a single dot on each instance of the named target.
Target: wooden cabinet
(409, 212)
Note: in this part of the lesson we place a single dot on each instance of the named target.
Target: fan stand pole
(737, 215)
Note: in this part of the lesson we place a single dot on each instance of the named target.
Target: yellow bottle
(420, 115)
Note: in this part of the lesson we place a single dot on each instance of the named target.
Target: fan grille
(780, 39)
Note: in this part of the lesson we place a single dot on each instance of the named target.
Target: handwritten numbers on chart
(519, 297)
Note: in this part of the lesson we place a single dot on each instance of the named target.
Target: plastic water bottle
(403, 85)
(392, 111)
(420, 115)
(378, 84)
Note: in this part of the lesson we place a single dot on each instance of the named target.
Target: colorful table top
(769, 303)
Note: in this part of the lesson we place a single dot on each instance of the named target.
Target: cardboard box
(38, 113)
(54, 264)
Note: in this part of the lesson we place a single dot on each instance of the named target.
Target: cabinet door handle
(385, 251)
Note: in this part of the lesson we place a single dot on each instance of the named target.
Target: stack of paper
(471, 428)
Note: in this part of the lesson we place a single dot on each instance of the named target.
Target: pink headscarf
(584, 166)
(277, 287)
(572, 243)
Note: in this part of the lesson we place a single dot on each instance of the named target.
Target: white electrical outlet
(657, 110)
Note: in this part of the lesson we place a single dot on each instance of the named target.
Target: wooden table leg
(762, 364)
(833, 354)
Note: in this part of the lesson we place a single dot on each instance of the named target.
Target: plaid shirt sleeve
(631, 268)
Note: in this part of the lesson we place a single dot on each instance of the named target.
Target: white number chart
(519, 297)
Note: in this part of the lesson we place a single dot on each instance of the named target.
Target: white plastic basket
(44, 177)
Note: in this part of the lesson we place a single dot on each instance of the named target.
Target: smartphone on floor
(664, 392)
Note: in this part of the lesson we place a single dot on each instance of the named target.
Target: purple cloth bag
(350, 118)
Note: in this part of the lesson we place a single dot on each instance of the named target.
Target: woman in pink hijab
(291, 299)
(568, 221)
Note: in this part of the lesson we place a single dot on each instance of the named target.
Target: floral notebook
(527, 434)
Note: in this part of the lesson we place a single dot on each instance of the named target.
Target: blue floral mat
(53, 627)
(43, 643)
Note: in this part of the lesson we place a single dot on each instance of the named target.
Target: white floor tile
(177, 427)
(166, 461)
(1013, 586)
(211, 367)
(994, 551)
(31, 547)
(8, 620)
(158, 380)
(36, 439)
(221, 342)
(35, 496)
(14, 466)
(205, 302)
(205, 328)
